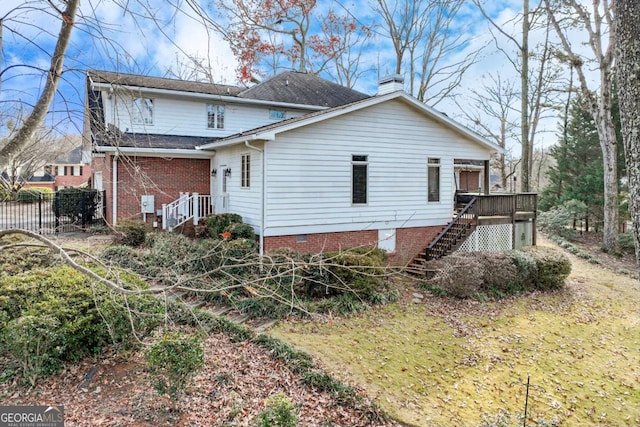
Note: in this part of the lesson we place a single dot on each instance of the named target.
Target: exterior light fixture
(227, 172)
(214, 172)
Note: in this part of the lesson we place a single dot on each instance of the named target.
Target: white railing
(186, 207)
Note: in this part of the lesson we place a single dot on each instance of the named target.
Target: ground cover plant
(445, 361)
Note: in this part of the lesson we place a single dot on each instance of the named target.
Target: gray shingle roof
(162, 83)
(153, 141)
(302, 88)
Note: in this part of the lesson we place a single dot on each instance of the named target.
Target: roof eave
(155, 152)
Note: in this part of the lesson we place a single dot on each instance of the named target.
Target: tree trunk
(627, 51)
(28, 130)
(524, 81)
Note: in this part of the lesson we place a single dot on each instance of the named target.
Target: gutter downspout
(264, 198)
(114, 195)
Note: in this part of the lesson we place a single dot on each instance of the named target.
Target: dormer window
(215, 116)
(277, 114)
(142, 111)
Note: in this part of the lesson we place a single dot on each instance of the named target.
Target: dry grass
(444, 362)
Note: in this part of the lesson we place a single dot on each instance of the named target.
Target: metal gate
(62, 211)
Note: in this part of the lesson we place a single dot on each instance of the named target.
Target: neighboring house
(69, 170)
(309, 164)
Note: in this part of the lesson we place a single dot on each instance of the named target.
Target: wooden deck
(472, 210)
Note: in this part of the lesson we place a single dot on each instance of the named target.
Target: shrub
(30, 342)
(360, 271)
(32, 194)
(88, 316)
(626, 242)
(217, 224)
(172, 361)
(552, 267)
(133, 233)
(559, 219)
(280, 412)
(459, 275)
(78, 204)
(478, 274)
(241, 231)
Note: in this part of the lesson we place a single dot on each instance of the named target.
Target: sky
(106, 36)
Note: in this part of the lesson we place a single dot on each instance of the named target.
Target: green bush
(280, 412)
(172, 361)
(88, 315)
(30, 342)
(360, 271)
(133, 233)
(626, 242)
(559, 219)
(552, 267)
(19, 260)
(217, 224)
(77, 204)
(241, 231)
(32, 194)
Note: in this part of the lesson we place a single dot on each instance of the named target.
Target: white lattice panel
(489, 238)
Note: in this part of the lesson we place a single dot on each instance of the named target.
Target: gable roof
(122, 79)
(302, 88)
(268, 132)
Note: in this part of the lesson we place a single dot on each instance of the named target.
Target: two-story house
(309, 164)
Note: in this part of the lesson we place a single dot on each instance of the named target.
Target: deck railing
(502, 204)
(186, 207)
(455, 232)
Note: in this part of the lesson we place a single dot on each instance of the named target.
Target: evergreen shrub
(32, 194)
(133, 233)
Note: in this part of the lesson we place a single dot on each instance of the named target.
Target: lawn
(444, 362)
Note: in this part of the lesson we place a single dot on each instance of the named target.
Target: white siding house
(309, 164)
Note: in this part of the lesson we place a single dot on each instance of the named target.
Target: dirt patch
(231, 391)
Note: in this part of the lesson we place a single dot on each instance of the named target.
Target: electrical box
(147, 202)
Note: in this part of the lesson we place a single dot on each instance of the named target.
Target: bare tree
(627, 56)
(491, 116)
(539, 79)
(424, 45)
(598, 24)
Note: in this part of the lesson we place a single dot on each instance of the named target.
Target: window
(215, 116)
(64, 171)
(77, 170)
(433, 180)
(277, 114)
(245, 179)
(55, 171)
(142, 111)
(359, 165)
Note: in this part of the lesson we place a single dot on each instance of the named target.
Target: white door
(97, 181)
(222, 199)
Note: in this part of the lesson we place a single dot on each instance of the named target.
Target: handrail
(185, 208)
(454, 222)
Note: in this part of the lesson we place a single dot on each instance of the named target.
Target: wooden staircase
(449, 239)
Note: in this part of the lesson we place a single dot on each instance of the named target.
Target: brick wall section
(409, 242)
(323, 242)
(163, 178)
(71, 180)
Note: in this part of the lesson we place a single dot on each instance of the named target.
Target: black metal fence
(51, 213)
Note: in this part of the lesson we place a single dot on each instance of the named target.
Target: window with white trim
(142, 111)
(359, 178)
(277, 114)
(245, 172)
(433, 179)
(215, 116)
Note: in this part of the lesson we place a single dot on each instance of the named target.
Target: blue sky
(105, 37)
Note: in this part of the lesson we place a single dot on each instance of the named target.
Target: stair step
(240, 318)
(265, 324)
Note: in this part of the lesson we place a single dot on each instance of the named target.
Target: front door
(222, 199)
